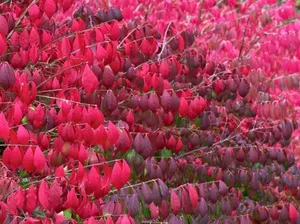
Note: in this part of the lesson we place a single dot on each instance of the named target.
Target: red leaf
(125, 172)
(95, 117)
(34, 37)
(22, 135)
(154, 211)
(82, 155)
(72, 200)
(43, 194)
(146, 47)
(183, 108)
(113, 133)
(218, 86)
(34, 12)
(93, 181)
(101, 135)
(181, 43)
(153, 102)
(4, 133)
(171, 143)
(124, 142)
(293, 213)
(89, 80)
(116, 176)
(130, 118)
(3, 26)
(19, 197)
(31, 200)
(46, 38)
(65, 47)
(100, 52)
(110, 101)
(147, 149)
(166, 101)
(33, 54)
(6, 156)
(3, 44)
(39, 159)
(12, 204)
(3, 214)
(115, 31)
(164, 69)
(108, 77)
(109, 220)
(66, 4)
(175, 203)
(178, 145)
(55, 193)
(193, 195)
(15, 157)
(50, 7)
(28, 162)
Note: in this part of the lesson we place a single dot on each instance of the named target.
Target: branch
(21, 17)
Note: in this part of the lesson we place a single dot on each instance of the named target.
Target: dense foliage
(143, 111)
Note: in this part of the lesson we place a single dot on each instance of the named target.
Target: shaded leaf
(175, 203)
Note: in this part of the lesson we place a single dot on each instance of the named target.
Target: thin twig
(21, 17)
(164, 41)
(243, 41)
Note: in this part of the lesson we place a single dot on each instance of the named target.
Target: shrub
(149, 111)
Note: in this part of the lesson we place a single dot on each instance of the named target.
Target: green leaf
(38, 213)
(24, 120)
(23, 174)
(68, 213)
(198, 122)
(213, 94)
(179, 121)
(218, 210)
(257, 165)
(146, 212)
(166, 153)
(24, 182)
(189, 219)
(145, 172)
(130, 154)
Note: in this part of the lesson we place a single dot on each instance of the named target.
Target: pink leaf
(4, 133)
(116, 176)
(108, 77)
(3, 26)
(113, 133)
(3, 44)
(28, 162)
(66, 4)
(22, 135)
(293, 213)
(193, 195)
(125, 172)
(15, 157)
(175, 203)
(50, 8)
(19, 197)
(43, 194)
(39, 159)
(72, 200)
(55, 193)
(6, 156)
(65, 47)
(89, 80)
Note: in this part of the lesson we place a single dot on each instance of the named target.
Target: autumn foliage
(165, 111)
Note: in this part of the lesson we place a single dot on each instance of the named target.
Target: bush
(149, 112)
